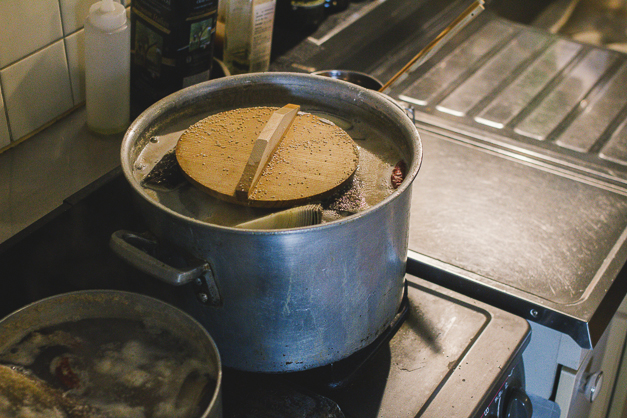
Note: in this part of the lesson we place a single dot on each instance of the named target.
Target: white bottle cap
(107, 15)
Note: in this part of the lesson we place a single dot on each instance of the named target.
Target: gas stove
(444, 355)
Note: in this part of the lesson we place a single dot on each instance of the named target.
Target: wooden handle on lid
(265, 145)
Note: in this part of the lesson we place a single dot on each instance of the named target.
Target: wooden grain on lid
(314, 158)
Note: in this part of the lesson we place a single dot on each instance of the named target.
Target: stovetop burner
(248, 395)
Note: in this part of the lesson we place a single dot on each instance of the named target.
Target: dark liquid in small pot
(106, 368)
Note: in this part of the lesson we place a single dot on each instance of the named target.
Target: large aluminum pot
(293, 299)
(69, 308)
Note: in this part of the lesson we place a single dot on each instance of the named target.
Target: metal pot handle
(138, 251)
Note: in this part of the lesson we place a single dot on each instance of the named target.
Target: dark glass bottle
(171, 47)
(301, 15)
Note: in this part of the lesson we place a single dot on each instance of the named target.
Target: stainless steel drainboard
(525, 88)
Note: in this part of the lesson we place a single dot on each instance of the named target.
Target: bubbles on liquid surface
(105, 368)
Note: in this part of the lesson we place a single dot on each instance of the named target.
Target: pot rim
(181, 97)
(350, 76)
(34, 306)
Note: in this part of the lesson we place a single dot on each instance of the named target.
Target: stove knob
(591, 385)
(517, 404)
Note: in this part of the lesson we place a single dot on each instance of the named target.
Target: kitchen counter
(37, 175)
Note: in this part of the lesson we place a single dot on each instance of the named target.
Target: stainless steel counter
(525, 203)
(541, 243)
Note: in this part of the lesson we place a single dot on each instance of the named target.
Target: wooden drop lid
(313, 159)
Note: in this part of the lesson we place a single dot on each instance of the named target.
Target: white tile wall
(37, 89)
(42, 70)
(26, 27)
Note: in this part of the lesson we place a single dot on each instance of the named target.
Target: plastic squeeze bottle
(107, 67)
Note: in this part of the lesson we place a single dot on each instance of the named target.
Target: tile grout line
(30, 54)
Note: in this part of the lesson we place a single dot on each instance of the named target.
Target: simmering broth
(370, 185)
(105, 368)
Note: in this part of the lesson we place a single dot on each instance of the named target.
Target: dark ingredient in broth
(108, 367)
(371, 183)
(166, 175)
(398, 174)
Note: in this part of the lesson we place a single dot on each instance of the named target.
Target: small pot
(110, 304)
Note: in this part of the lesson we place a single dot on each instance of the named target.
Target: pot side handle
(134, 249)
